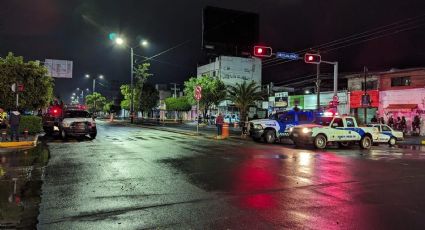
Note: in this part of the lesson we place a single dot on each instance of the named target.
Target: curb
(17, 144)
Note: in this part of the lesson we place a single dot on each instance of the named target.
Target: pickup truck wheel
(392, 141)
(365, 142)
(320, 141)
(93, 136)
(270, 137)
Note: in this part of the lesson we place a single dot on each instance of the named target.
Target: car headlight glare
(291, 129)
(306, 130)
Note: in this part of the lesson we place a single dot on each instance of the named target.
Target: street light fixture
(120, 41)
(94, 87)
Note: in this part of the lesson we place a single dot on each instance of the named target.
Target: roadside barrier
(225, 132)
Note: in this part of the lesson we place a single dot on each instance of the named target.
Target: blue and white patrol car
(277, 125)
(387, 134)
(342, 130)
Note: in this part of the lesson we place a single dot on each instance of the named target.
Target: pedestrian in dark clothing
(219, 123)
(14, 121)
(381, 120)
(391, 122)
(374, 119)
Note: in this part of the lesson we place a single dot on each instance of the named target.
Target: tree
(149, 98)
(244, 95)
(141, 74)
(95, 102)
(178, 104)
(126, 92)
(38, 86)
(108, 106)
(213, 91)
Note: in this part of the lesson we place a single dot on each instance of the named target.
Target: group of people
(400, 123)
(10, 122)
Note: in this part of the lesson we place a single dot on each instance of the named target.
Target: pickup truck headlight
(291, 129)
(258, 126)
(65, 125)
(306, 130)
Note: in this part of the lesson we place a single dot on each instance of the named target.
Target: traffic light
(262, 51)
(312, 58)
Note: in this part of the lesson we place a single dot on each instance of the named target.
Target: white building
(232, 70)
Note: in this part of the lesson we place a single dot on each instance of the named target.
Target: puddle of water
(21, 174)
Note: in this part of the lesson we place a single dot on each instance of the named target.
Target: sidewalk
(413, 140)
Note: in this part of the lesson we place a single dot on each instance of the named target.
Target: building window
(370, 85)
(400, 81)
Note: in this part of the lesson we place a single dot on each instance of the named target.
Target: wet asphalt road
(134, 178)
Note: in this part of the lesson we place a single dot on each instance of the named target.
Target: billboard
(235, 70)
(59, 68)
(225, 30)
(281, 100)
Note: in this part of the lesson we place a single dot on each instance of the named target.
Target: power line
(366, 34)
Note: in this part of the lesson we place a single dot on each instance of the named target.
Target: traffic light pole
(318, 86)
(335, 64)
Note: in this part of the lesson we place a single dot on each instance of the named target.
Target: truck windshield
(75, 114)
(325, 121)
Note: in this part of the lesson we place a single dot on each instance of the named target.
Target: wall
(417, 77)
(310, 101)
(237, 70)
(355, 81)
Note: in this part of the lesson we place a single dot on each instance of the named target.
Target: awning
(402, 106)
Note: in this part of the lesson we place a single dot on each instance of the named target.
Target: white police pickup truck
(278, 125)
(342, 130)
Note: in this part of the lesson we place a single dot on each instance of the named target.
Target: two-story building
(402, 93)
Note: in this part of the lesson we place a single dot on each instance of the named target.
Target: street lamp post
(120, 41)
(94, 88)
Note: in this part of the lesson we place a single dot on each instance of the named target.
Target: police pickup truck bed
(338, 129)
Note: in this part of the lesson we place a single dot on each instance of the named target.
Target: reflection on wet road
(140, 178)
(21, 172)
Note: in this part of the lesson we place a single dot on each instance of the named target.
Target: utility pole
(365, 93)
(318, 85)
(132, 87)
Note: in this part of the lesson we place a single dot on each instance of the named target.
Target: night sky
(78, 31)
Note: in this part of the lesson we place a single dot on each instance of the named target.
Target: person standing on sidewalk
(219, 123)
(14, 121)
(3, 124)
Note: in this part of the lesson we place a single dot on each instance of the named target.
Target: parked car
(78, 123)
(231, 118)
(387, 134)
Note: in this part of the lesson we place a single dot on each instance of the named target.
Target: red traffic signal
(262, 51)
(312, 58)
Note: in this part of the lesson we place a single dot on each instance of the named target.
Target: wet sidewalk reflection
(21, 173)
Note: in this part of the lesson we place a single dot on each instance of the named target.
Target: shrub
(32, 123)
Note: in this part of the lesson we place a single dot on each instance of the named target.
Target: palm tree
(244, 95)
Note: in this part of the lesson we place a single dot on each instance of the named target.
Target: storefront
(399, 103)
(310, 101)
(356, 106)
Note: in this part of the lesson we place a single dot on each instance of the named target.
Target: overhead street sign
(287, 56)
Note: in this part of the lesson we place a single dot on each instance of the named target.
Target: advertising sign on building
(281, 100)
(59, 68)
